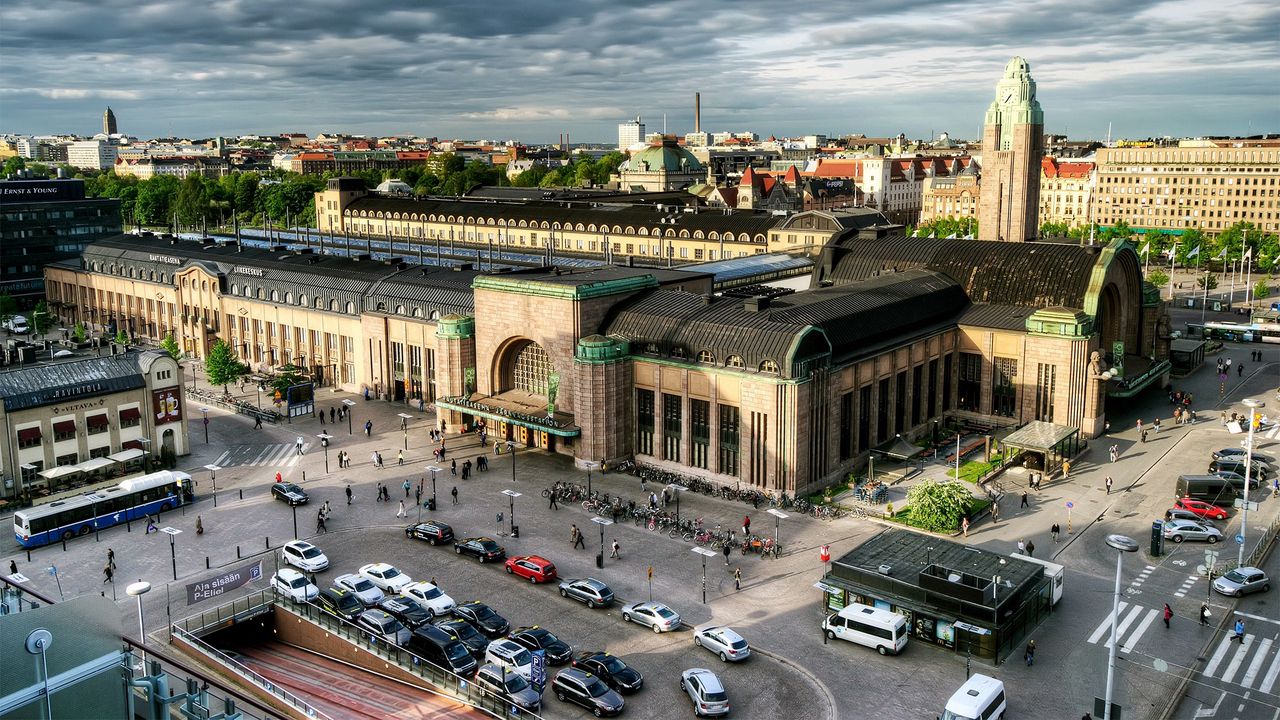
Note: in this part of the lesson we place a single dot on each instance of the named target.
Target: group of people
(323, 514)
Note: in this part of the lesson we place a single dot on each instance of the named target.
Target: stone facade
(1012, 147)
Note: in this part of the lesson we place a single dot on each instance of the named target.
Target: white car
(706, 691)
(510, 654)
(386, 577)
(654, 614)
(304, 556)
(722, 641)
(294, 585)
(364, 590)
(428, 597)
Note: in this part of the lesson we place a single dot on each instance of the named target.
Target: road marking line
(278, 456)
(1105, 626)
(1272, 674)
(1136, 634)
(1238, 658)
(1125, 623)
(257, 460)
(1252, 673)
(1217, 657)
(222, 458)
(1202, 713)
(1258, 617)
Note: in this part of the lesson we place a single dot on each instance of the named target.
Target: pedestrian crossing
(271, 455)
(1186, 586)
(1252, 664)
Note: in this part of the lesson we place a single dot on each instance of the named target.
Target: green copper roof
(667, 156)
(579, 286)
(456, 326)
(598, 349)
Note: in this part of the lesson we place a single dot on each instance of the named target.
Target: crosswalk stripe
(1136, 634)
(1102, 629)
(257, 460)
(1217, 656)
(1252, 673)
(277, 456)
(1272, 674)
(1237, 659)
(1128, 619)
(222, 458)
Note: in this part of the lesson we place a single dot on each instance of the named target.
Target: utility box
(600, 560)
(1157, 538)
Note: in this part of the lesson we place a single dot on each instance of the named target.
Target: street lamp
(213, 477)
(511, 448)
(295, 518)
(324, 443)
(172, 532)
(602, 522)
(589, 465)
(1123, 544)
(404, 427)
(778, 517)
(137, 590)
(1253, 405)
(433, 470)
(205, 410)
(705, 553)
(349, 403)
(511, 510)
(677, 488)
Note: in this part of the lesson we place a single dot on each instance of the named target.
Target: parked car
(406, 611)
(465, 633)
(587, 590)
(1179, 530)
(505, 652)
(289, 493)
(428, 597)
(483, 617)
(722, 641)
(340, 602)
(1238, 453)
(583, 688)
(1257, 472)
(294, 585)
(437, 646)
(304, 556)
(610, 668)
(365, 591)
(535, 638)
(383, 627)
(1242, 581)
(510, 686)
(1237, 478)
(706, 691)
(654, 614)
(534, 567)
(1201, 508)
(483, 548)
(433, 531)
(1180, 514)
(386, 576)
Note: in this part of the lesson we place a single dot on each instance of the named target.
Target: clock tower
(1012, 147)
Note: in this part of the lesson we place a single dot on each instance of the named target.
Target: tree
(286, 377)
(222, 367)
(8, 307)
(939, 506)
(170, 346)
(1261, 289)
(1211, 280)
(1158, 278)
(79, 334)
(41, 318)
(122, 337)
(14, 164)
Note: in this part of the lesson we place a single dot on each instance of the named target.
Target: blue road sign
(538, 671)
(1070, 504)
(1239, 539)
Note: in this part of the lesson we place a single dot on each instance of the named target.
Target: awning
(97, 421)
(31, 434)
(135, 444)
(899, 449)
(130, 414)
(94, 464)
(127, 455)
(64, 426)
(54, 473)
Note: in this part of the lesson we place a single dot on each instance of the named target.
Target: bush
(938, 506)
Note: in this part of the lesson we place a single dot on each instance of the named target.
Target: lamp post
(511, 510)
(589, 465)
(137, 590)
(172, 532)
(705, 553)
(295, 518)
(324, 443)
(404, 427)
(205, 412)
(678, 488)
(1123, 544)
(1253, 406)
(511, 448)
(349, 403)
(778, 517)
(146, 454)
(602, 522)
(213, 477)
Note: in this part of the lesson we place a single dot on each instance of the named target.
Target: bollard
(28, 554)
(268, 543)
(206, 562)
(237, 552)
(64, 544)
(241, 493)
(304, 476)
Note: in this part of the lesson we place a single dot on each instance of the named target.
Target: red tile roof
(1052, 168)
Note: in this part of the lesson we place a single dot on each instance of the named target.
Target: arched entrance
(524, 374)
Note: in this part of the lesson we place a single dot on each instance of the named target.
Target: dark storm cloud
(532, 69)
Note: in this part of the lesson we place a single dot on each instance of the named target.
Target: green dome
(668, 156)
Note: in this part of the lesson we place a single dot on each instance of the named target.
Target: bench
(966, 450)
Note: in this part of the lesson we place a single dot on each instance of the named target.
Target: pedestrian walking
(1031, 653)
(746, 524)
(379, 492)
(964, 526)
(553, 505)
(417, 495)
(737, 578)
(726, 552)
(151, 526)
(400, 512)
(1168, 613)
(1239, 631)
(1204, 613)
(614, 554)
(199, 526)
(1031, 548)
(453, 466)
(400, 461)
(107, 574)
(331, 414)
(1022, 547)
(368, 428)
(322, 418)
(257, 422)
(1111, 453)
(299, 444)
(497, 447)
(348, 493)
(454, 492)
(995, 512)
(406, 485)
(1066, 469)
(576, 536)
(1053, 531)
(111, 558)
(320, 528)
(1240, 370)
(13, 567)
(1143, 435)
(1024, 497)
(326, 509)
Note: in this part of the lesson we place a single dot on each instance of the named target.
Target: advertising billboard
(166, 405)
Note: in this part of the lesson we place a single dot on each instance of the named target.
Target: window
(917, 393)
(530, 369)
(651, 349)
(672, 426)
(1046, 377)
(846, 426)
(1004, 389)
(970, 381)
(677, 352)
(644, 422)
(946, 382)
(705, 356)
(700, 420)
(882, 414)
(729, 440)
(769, 366)
(735, 361)
(900, 402)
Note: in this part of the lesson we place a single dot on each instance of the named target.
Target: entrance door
(167, 441)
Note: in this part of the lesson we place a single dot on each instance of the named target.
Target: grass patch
(971, 471)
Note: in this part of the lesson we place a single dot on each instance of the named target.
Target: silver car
(1179, 530)
(1242, 581)
(654, 614)
(705, 690)
(722, 641)
(510, 686)
(383, 627)
(364, 590)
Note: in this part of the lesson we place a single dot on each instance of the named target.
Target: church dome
(668, 156)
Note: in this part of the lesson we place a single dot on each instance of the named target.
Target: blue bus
(132, 499)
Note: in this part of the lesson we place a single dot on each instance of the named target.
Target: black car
(486, 549)
(465, 633)
(583, 688)
(409, 613)
(483, 617)
(342, 603)
(433, 531)
(619, 675)
(535, 638)
(289, 493)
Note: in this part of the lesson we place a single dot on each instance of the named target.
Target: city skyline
(1159, 67)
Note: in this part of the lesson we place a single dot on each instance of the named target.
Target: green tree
(41, 318)
(939, 506)
(79, 334)
(1158, 278)
(1190, 240)
(1261, 289)
(286, 377)
(14, 164)
(155, 200)
(8, 307)
(170, 346)
(1210, 280)
(222, 367)
(122, 337)
(192, 201)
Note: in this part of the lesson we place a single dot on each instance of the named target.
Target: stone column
(603, 380)
(455, 356)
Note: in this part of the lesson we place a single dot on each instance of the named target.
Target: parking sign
(538, 671)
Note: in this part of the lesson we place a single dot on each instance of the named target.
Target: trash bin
(515, 531)
(430, 504)
(599, 560)
(1157, 538)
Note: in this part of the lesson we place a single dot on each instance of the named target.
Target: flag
(1194, 252)
(1222, 254)
(952, 236)
(1248, 254)
(1145, 249)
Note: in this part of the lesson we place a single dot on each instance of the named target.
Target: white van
(17, 325)
(1053, 571)
(979, 698)
(865, 625)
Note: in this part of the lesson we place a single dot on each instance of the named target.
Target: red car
(1201, 508)
(535, 567)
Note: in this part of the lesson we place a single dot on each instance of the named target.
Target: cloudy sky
(531, 69)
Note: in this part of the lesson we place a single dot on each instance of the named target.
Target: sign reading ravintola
(229, 580)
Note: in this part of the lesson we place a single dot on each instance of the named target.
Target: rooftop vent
(755, 304)
(361, 257)
(463, 267)
(885, 569)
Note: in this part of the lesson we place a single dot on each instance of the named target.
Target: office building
(630, 133)
(91, 155)
(109, 123)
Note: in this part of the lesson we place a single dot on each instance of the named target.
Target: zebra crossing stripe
(1272, 674)
(1102, 628)
(1129, 617)
(1217, 656)
(1142, 628)
(1237, 659)
(1252, 673)
(257, 460)
(222, 458)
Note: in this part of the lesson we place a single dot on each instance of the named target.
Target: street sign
(538, 671)
(19, 578)
(1070, 504)
(1239, 539)
(824, 553)
(1240, 502)
(970, 628)
(829, 589)
(170, 531)
(511, 493)
(1201, 569)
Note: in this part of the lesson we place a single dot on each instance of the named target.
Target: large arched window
(530, 368)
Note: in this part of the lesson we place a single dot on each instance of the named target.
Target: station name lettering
(244, 270)
(166, 259)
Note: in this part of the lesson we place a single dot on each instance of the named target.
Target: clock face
(1007, 97)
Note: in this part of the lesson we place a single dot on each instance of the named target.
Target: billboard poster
(553, 389)
(301, 399)
(1117, 354)
(229, 580)
(166, 405)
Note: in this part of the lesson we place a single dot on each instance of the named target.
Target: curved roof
(1031, 274)
(667, 156)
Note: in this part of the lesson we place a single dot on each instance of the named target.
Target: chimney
(697, 112)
